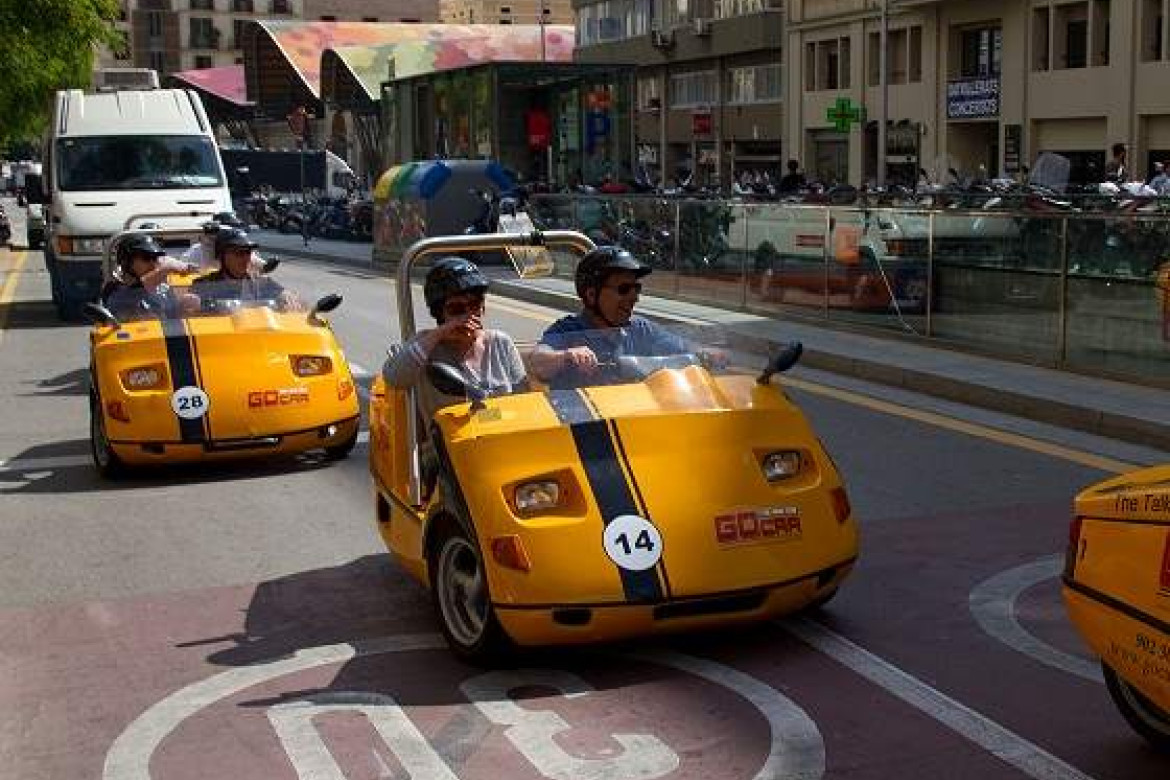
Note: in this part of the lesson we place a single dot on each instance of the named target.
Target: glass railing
(1082, 289)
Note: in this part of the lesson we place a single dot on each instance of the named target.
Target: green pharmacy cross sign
(844, 114)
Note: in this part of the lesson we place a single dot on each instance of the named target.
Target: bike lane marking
(795, 749)
(993, 605)
(1001, 742)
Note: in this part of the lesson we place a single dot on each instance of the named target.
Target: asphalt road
(244, 621)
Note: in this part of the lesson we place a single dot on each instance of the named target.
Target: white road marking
(796, 752)
(993, 605)
(1006, 745)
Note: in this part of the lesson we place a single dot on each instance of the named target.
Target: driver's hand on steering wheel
(717, 359)
(581, 358)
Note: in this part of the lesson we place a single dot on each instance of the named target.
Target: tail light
(117, 410)
(310, 365)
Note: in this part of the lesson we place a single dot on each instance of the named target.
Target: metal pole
(304, 196)
(1062, 304)
(930, 278)
(543, 54)
(884, 111)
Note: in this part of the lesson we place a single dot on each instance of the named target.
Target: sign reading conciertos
(633, 543)
(190, 402)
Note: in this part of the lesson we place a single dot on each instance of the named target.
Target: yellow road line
(9, 291)
(971, 429)
(1006, 438)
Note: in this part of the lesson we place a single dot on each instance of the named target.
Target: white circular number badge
(633, 543)
(190, 402)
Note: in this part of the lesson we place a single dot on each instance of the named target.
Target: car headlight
(781, 465)
(538, 496)
(310, 365)
(143, 377)
(82, 246)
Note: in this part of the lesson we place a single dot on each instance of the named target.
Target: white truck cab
(126, 154)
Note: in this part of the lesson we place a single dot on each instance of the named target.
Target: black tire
(341, 451)
(468, 620)
(105, 460)
(1145, 717)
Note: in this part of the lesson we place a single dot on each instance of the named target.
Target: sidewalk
(1140, 415)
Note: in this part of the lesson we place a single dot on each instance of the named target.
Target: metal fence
(1088, 290)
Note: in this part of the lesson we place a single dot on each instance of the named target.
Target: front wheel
(1146, 718)
(460, 588)
(107, 462)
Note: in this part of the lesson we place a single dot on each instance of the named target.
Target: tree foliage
(46, 45)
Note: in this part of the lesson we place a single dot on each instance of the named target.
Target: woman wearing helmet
(143, 291)
(573, 349)
(454, 291)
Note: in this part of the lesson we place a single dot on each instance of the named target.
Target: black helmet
(228, 219)
(600, 263)
(451, 276)
(137, 244)
(232, 237)
(210, 227)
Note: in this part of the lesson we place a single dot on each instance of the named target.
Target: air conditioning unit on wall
(702, 27)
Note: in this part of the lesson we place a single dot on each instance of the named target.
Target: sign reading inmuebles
(973, 99)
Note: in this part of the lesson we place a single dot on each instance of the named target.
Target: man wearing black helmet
(454, 290)
(237, 278)
(143, 289)
(580, 348)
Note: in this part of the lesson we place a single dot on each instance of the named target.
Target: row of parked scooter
(343, 219)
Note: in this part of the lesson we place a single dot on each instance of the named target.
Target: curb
(1133, 430)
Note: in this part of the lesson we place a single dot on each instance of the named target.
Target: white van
(116, 159)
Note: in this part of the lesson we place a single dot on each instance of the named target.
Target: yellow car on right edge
(1117, 589)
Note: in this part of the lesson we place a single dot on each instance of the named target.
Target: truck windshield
(132, 162)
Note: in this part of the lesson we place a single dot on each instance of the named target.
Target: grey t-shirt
(500, 371)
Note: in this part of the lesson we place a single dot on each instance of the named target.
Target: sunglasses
(459, 308)
(625, 288)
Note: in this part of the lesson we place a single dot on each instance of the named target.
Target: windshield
(130, 162)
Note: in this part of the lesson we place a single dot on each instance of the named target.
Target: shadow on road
(32, 315)
(75, 382)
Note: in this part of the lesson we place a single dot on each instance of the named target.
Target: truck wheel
(1143, 715)
(107, 462)
(460, 589)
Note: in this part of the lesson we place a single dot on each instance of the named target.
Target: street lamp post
(884, 111)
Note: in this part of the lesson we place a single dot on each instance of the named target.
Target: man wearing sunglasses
(582, 348)
(454, 290)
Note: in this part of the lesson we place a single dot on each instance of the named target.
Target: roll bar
(553, 239)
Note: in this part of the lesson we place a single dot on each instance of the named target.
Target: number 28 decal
(633, 543)
(190, 402)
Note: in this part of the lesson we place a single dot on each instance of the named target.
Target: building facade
(709, 95)
(978, 87)
(505, 11)
(370, 10)
(178, 35)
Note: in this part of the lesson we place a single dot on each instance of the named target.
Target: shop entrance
(830, 157)
(973, 149)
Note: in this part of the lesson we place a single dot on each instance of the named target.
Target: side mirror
(326, 304)
(270, 265)
(101, 315)
(783, 360)
(446, 379)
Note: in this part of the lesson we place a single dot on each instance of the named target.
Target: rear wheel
(1146, 718)
(460, 589)
(107, 462)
